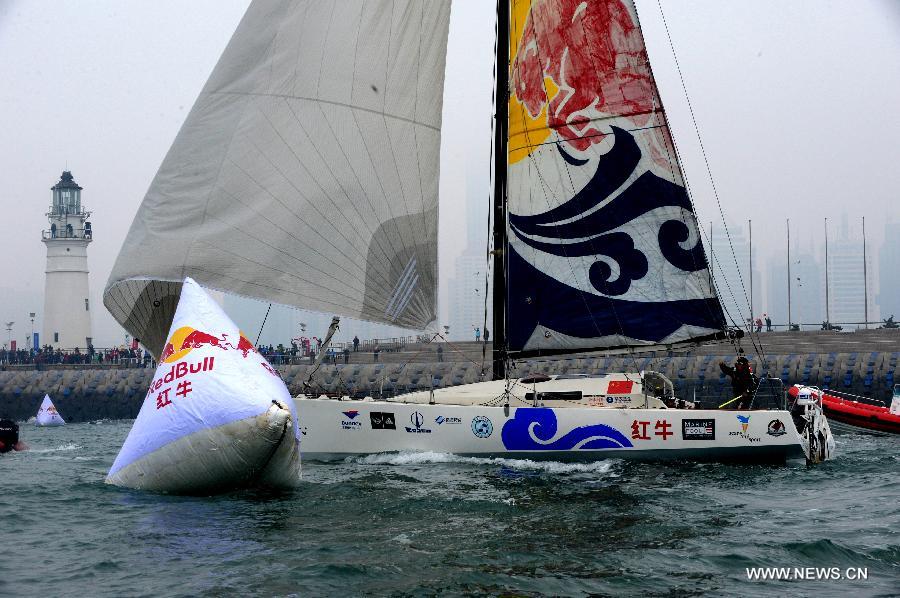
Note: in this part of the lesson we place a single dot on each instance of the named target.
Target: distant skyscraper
(889, 272)
(466, 291)
(845, 277)
(67, 307)
(730, 262)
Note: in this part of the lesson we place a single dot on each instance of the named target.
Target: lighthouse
(67, 305)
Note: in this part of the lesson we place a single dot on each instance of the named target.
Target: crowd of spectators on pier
(301, 350)
(122, 356)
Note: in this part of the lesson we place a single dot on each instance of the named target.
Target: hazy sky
(796, 103)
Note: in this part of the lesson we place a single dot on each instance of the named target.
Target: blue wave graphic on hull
(534, 428)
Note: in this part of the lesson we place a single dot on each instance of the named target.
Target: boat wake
(61, 448)
(429, 457)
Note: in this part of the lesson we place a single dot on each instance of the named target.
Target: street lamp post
(9, 327)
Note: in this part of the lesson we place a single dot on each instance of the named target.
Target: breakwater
(90, 394)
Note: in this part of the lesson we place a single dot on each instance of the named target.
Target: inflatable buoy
(47, 414)
(216, 417)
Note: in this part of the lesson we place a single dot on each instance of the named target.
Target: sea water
(427, 524)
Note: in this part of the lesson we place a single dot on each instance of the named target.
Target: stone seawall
(90, 394)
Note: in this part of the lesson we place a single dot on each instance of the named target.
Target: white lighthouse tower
(67, 307)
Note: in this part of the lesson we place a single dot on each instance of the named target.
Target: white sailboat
(306, 174)
(47, 414)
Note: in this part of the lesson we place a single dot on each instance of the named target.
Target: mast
(865, 277)
(789, 271)
(827, 302)
(750, 228)
(501, 126)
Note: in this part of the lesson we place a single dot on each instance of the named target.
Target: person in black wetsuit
(743, 381)
(9, 437)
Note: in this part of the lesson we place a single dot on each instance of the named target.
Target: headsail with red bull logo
(603, 247)
(216, 416)
(306, 173)
(47, 414)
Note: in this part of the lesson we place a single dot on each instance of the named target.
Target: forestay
(603, 245)
(305, 174)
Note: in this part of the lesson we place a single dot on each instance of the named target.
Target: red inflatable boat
(856, 414)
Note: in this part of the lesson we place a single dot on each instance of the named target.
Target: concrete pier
(863, 363)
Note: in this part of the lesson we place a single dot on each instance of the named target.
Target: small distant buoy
(47, 414)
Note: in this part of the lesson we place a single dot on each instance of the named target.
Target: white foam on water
(422, 458)
(64, 447)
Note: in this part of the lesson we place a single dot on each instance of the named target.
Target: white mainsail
(305, 174)
(47, 414)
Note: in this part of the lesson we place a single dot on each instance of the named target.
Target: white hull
(586, 429)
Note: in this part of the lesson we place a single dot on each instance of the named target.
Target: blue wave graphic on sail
(576, 220)
(586, 226)
(534, 429)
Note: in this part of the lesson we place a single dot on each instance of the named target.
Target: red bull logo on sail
(574, 62)
(186, 339)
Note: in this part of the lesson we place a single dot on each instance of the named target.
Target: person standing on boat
(355, 343)
(743, 381)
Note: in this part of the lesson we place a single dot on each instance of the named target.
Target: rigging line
(702, 149)
(490, 203)
(263, 325)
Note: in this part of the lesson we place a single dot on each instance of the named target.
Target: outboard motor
(815, 433)
(9, 435)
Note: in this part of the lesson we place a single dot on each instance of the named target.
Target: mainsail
(305, 174)
(603, 249)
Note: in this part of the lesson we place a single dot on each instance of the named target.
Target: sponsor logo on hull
(776, 428)
(417, 420)
(698, 429)
(349, 422)
(744, 420)
(382, 420)
(482, 426)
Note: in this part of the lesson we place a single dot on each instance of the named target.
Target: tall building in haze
(847, 286)
(889, 272)
(466, 290)
(729, 257)
(67, 306)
